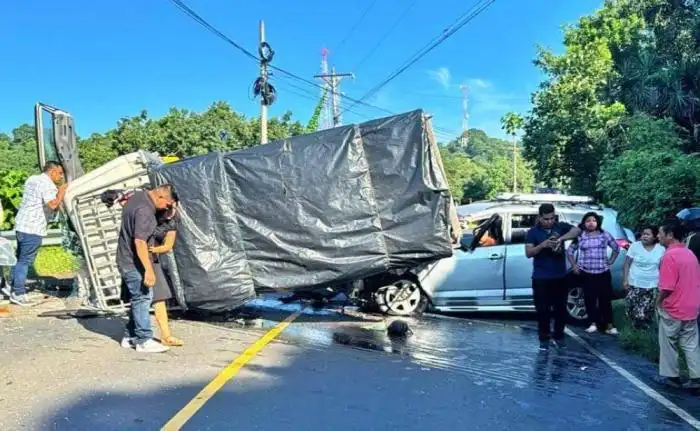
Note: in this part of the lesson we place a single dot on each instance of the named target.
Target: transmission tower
(326, 120)
(464, 141)
(331, 87)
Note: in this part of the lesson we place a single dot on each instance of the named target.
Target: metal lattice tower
(326, 120)
(464, 141)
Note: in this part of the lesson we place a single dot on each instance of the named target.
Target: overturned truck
(365, 203)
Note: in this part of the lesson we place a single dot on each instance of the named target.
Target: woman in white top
(641, 277)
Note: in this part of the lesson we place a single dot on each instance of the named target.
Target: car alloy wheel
(402, 298)
(575, 304)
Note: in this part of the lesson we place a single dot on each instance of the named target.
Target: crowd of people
(661, 270)
(661, 276)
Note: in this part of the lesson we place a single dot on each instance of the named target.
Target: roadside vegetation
(644, 342)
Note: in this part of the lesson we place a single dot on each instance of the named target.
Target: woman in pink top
(593, 269)
(679, 304)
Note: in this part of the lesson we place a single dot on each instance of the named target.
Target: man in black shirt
(134, 264)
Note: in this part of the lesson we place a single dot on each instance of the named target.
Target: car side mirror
(466, 241)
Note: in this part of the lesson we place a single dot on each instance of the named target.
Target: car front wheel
(401, 298)
(575, 305)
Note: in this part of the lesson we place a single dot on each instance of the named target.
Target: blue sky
(103, 60)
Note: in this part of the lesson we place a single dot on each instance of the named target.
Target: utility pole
(333, 80)
(465, 116)
(264, 76)
(515, 171)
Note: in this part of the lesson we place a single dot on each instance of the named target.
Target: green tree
(564, 131)
(651, 178)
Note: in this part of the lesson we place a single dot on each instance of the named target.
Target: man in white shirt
(40, 199)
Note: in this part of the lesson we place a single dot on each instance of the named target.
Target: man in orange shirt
(678, 307)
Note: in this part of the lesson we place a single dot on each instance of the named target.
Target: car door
(518, 268)
(56, 139)
(468, 279)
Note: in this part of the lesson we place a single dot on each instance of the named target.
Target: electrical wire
(383, 38)
(197, 18)
(463, 20)
(201, 21)
(357, 23)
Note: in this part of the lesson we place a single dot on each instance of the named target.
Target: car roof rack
(545, 197)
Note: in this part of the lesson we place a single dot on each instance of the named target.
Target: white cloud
(442, 76)
(486, 98)
(478, 83)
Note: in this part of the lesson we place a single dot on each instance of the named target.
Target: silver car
(498, 277)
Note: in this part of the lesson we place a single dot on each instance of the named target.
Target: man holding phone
(135, 267)
(545, 245)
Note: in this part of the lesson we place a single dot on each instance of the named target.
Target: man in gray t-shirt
(134, 264)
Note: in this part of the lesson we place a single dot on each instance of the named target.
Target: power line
(201, 21)
(192, 14)
(461, 22)
(352, 29)
(383, 38)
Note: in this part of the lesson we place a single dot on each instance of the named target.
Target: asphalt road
(327, 372)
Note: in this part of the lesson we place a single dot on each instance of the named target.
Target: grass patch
(644, 342)
(53, 261)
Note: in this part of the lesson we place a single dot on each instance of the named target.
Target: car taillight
(623, 243)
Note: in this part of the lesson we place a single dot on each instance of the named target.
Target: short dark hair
(654, 230)
(546, 209)
(167, 186)
(52, 164)
(673, 227)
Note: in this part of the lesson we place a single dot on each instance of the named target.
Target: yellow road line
(186, 413)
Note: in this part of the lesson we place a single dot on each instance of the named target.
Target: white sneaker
(128, 343)
(151, 346)
(593, 328)
(6, 291)
(612, 331)
(21, 300)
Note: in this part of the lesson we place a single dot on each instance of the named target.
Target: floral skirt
(641, 304)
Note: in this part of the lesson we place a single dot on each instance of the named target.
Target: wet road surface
(327, 371)
(474, 374)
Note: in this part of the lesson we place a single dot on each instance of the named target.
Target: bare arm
(573, 233)
(55, 203)
(143, 254)
(167, 244)
(532, 250)
(626, 272)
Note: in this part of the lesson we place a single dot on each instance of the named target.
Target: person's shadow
(108, 325)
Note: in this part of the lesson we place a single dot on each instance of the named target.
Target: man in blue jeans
(134, 264)
(40, 200)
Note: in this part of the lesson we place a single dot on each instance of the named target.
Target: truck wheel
(401, 298)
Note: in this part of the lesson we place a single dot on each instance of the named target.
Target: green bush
(54, 261)
(11, 187)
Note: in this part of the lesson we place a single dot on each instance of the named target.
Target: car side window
(519, 225)
(485, 232)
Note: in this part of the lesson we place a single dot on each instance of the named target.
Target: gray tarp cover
(319, 209)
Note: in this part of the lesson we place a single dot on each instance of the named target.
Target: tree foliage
(618, 112)
(483, 168)
(180, 133)
(651, 178)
